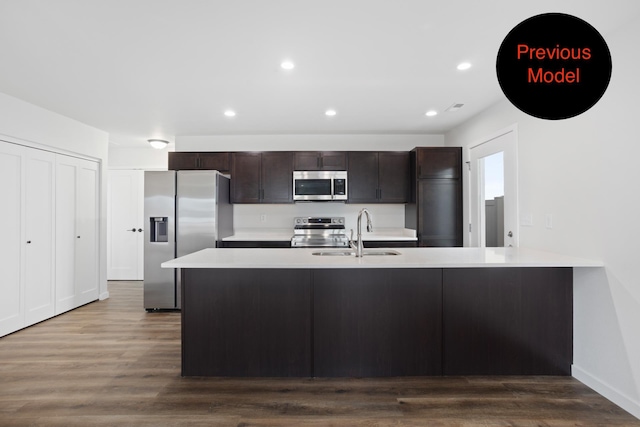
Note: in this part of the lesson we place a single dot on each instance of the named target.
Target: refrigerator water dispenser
(159, 229)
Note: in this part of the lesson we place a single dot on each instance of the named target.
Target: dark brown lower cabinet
(253, 322)
(508, 321)
(372, 322)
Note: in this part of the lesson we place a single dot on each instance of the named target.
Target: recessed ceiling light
(463, 66)
(230, 113)
(330, 113)
(431, 113)
(287, 65)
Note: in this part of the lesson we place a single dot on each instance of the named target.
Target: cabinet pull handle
(28, 241)
(379, 193)
(77, 237)
(133, 229)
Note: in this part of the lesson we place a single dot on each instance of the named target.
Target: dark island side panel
(377, 322)
(508, 321)
(252, 322)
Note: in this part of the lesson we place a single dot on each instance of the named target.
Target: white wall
(247, 217)
(307, 142)
(584, 171)
(132, 158)
(27, 124)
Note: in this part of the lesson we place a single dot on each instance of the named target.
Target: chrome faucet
(358, 247)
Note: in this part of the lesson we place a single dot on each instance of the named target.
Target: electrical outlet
(548, 221)
(263, 217)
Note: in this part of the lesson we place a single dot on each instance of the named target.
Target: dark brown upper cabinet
(378, 177)
(262, 177)
(438, 162)
(199, 160)
(320, 160)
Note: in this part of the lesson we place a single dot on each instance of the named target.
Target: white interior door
(39, 228)
(13, 242)
(504, 143)
(125, 223)
(86, 259)
(76, 232)
(66, 196)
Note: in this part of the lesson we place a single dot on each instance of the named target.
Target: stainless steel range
(319, 232)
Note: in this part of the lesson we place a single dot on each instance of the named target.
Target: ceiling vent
(454, 107)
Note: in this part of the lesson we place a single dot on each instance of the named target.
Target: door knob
(510, 234)
(139, 230)
(28, 241)
(133, 229)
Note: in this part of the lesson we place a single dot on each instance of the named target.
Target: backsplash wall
(248, 216)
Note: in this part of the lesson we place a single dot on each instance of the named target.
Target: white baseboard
(103, 295)
(620, 399)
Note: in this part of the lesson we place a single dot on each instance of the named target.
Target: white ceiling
(160, 68)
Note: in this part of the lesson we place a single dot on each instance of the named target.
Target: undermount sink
(350, 253)
(333, 253)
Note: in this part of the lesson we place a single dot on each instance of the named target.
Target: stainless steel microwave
(319, 185)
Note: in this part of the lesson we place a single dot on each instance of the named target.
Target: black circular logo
(554, 66)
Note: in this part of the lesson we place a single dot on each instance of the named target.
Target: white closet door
(66, 196)
(76, 232)
(13, 243)
(39, 235)
(86, 255)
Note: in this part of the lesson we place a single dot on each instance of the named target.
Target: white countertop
(285, 234)
(408, 258)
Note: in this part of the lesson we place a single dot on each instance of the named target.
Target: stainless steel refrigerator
(185, 211)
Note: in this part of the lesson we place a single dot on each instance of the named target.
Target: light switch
(548, 221)
(263, 217)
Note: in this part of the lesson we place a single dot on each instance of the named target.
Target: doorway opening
(493, 184)
(493, 190)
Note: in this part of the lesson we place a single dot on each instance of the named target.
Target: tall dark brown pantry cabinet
(435, 210)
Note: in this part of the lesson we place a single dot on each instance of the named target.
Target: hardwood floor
(110, 363)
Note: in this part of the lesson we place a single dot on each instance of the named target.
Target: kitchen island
(426, 311)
